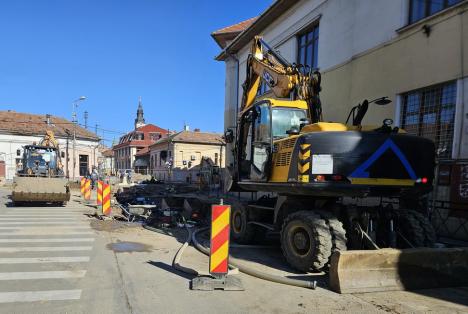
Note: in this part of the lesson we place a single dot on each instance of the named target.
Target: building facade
(135, 142)
(178, 157)
(20, 129)
(413, 51)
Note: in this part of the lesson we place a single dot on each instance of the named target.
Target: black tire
(416, 229)
(306, 241)
(241, 231)
(337, 231)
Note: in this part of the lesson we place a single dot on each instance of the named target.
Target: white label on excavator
(322, 164)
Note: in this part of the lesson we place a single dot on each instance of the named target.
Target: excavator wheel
(241, 231)
(416, 229)
(337, 231)
(306, 241)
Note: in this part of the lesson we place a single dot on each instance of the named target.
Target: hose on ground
(253, 272)
(180, 252)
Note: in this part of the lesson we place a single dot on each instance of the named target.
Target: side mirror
(62, 154)
(229, 136)
(304, 122)
(293, 131)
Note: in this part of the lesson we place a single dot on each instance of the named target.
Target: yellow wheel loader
(323, 174)
(40, 178)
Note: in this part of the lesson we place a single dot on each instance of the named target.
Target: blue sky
(113, 51)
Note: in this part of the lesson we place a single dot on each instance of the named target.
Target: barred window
(430, 112)
(420, 9)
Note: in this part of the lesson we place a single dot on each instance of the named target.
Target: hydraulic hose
(180, 252)
(253, 272)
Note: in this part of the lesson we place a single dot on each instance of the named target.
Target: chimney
(186, 127)
(48, 119)
(196, 130)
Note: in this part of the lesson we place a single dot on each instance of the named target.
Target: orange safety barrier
(106, 196)
(82, 185)
(87, 193)
(219, 249)
(99, 193)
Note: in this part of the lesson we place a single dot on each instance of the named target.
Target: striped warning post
(303, 163)
(82, 185)
(219, 249)
(87, 192)
(106, 195)
(99, 193)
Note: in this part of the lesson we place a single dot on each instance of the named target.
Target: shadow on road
(171, 269)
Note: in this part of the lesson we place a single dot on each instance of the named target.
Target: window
(430, 112)
(308, 47)
(262, 124)
(83, 164)
(420, 9)
(286, 119)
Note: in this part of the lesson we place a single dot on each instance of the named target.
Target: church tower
(140, 120)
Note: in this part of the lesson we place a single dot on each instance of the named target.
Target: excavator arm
(284, 79)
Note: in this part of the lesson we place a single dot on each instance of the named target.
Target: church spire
(140, 120)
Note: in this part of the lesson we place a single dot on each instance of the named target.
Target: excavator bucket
(391, 269)
(40, 190)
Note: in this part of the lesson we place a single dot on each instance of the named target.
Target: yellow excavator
(347, 198)
(40, 178)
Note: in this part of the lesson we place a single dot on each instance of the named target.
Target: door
(84, 165)
(261, 144)
(255, 143)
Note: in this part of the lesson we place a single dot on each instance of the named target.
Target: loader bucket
(40, 190)
(391, 269)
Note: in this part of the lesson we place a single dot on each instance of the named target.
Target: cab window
(262, 124)
(284, 119)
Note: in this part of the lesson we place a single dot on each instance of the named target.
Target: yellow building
(178, 157)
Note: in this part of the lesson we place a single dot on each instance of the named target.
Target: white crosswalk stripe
(44, 232)
(17, 249)
(40, 246)
(46, 240)
(28, 275)
(31, 296)
(42, 260)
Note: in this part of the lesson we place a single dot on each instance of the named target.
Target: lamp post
(75, 105)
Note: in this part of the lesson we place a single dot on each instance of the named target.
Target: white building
(20, 129)
(413, 51)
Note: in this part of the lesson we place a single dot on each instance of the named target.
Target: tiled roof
(194, 137)
(143, 151)
(239, 27)
(256, 27)
(18, 123)
(107, 153)
(128, 139)
(227, 34)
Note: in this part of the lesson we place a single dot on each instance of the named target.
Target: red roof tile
(19, 123)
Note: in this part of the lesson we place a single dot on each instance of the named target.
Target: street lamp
(75, 105)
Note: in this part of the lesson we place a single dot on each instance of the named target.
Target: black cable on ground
(253, 272)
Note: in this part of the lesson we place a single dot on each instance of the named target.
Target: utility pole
(67, 158)
(74, 120)
(86, 119)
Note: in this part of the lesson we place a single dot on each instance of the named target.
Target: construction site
(338, 185)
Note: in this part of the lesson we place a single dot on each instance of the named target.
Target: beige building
(178, 157)
(413, 51)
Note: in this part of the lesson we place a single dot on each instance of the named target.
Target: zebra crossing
(44, 253)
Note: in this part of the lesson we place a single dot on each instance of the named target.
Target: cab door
(261, 143)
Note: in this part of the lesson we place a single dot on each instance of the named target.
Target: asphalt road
(58, 260)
